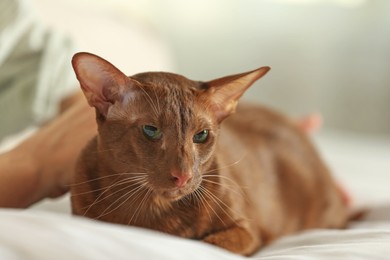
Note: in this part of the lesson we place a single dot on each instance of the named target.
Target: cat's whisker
(112, 184)
(142, 168)
(141, 205)
(221, 203)
(147, 197)
(122, 114)
(128, 194)
(183, 201)
(197, 199)
(226, 166)
(135, 183)
(138, 195)
(157, 99)
(106, 211)
(203, 189)
(211, 196)
(97, 200)
(150, 100)
(186, 200)
(98, 197)
(193, 198)
(223, 177)
(107, 176)
(226, 186)
(200, 200)
(239, 190)
(121, 182)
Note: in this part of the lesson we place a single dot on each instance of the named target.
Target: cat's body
(254, 178)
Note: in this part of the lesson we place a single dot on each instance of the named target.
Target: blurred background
(327, 56)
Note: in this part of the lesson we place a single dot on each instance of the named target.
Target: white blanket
(363, 165)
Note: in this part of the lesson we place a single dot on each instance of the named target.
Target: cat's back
(255, 123)
(283, 174)
(262, 131)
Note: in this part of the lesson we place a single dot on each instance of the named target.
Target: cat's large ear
(225, 92)
(102, 83)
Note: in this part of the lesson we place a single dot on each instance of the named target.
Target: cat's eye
(201, 137)
(152, 132)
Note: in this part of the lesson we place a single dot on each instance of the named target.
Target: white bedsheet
(44, 235)
(363, 165)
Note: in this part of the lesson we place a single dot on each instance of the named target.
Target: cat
(179, 156)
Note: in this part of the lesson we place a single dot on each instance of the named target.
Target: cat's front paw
(236, 239)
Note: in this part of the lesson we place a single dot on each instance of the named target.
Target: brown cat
(167, 158)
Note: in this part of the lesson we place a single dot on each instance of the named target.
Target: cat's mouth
(176, 194)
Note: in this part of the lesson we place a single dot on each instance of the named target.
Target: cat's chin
(173, 194)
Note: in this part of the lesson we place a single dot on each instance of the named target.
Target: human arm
(42, 166)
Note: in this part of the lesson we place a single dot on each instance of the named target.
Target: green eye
(151, 132)
(201, 137)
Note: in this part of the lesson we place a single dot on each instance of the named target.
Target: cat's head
(162, 127)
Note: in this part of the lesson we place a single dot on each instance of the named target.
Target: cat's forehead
(166, 81)
(174, 96)
(172, 91)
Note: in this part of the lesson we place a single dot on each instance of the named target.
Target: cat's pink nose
(181, 178)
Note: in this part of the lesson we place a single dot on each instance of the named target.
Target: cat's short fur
(256, 177)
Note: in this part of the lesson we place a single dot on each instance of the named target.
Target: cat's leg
(235, 239)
